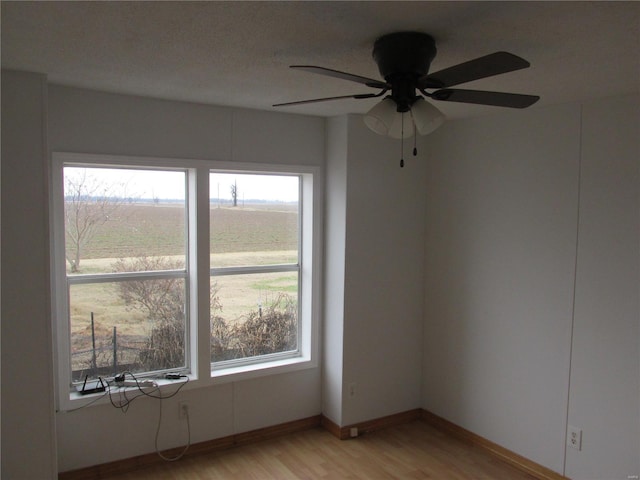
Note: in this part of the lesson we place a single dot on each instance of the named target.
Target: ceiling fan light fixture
(426, 117)
(402, 126)
(381, 117)
(384, 119)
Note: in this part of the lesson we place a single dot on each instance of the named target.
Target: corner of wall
(28, 424)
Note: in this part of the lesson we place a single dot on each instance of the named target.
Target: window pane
(254, 219)
(138, 326)
(113, 214)
(254, 314)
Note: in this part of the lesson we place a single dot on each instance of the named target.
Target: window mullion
(199, 257)
(124, 276)
(222, 271)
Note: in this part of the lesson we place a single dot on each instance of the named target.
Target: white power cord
(181, 454)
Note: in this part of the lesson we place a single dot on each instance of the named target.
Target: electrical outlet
(574, 437)
(183, 409)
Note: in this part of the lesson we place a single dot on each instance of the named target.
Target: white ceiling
(237, 53)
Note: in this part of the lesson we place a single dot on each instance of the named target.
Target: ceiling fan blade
(326, 99)
(487, 66)
(497, 99)
(369, 82)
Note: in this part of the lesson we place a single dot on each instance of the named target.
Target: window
(255, 265)
(125, 252)
(155, 259)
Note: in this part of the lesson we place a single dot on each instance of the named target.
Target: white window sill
(163, 387)
(227, 374)
(244, 372)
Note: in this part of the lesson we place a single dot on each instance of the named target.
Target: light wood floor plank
(414, 450)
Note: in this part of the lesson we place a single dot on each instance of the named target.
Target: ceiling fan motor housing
(402, 58)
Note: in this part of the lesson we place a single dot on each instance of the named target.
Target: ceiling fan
(403, 60)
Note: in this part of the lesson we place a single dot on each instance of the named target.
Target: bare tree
(89, 202)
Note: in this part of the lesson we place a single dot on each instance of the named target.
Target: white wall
(378, 276)
(334, 270)
(93, 122)
(28, 438)
(605, 377)
(502, 243)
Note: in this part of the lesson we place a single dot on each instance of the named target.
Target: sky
(150, 184)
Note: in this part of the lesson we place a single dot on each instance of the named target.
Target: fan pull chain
(415, 134)
(402, 142)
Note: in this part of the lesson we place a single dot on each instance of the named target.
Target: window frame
(202, 371)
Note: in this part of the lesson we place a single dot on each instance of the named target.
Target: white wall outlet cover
(574, 437)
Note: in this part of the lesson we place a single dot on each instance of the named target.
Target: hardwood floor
(413, 450)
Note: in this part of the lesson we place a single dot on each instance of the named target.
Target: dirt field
(152, 229)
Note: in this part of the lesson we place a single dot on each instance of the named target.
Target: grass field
(249, 235)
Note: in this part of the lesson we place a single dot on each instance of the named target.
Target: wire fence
(106, 358)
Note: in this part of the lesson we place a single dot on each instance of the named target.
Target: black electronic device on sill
(94, 386)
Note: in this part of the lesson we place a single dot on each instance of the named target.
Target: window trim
(203, 372)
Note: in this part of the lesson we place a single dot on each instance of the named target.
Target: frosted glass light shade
(384, 119)
(397, 131)
(426, 117)
(381, 117)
